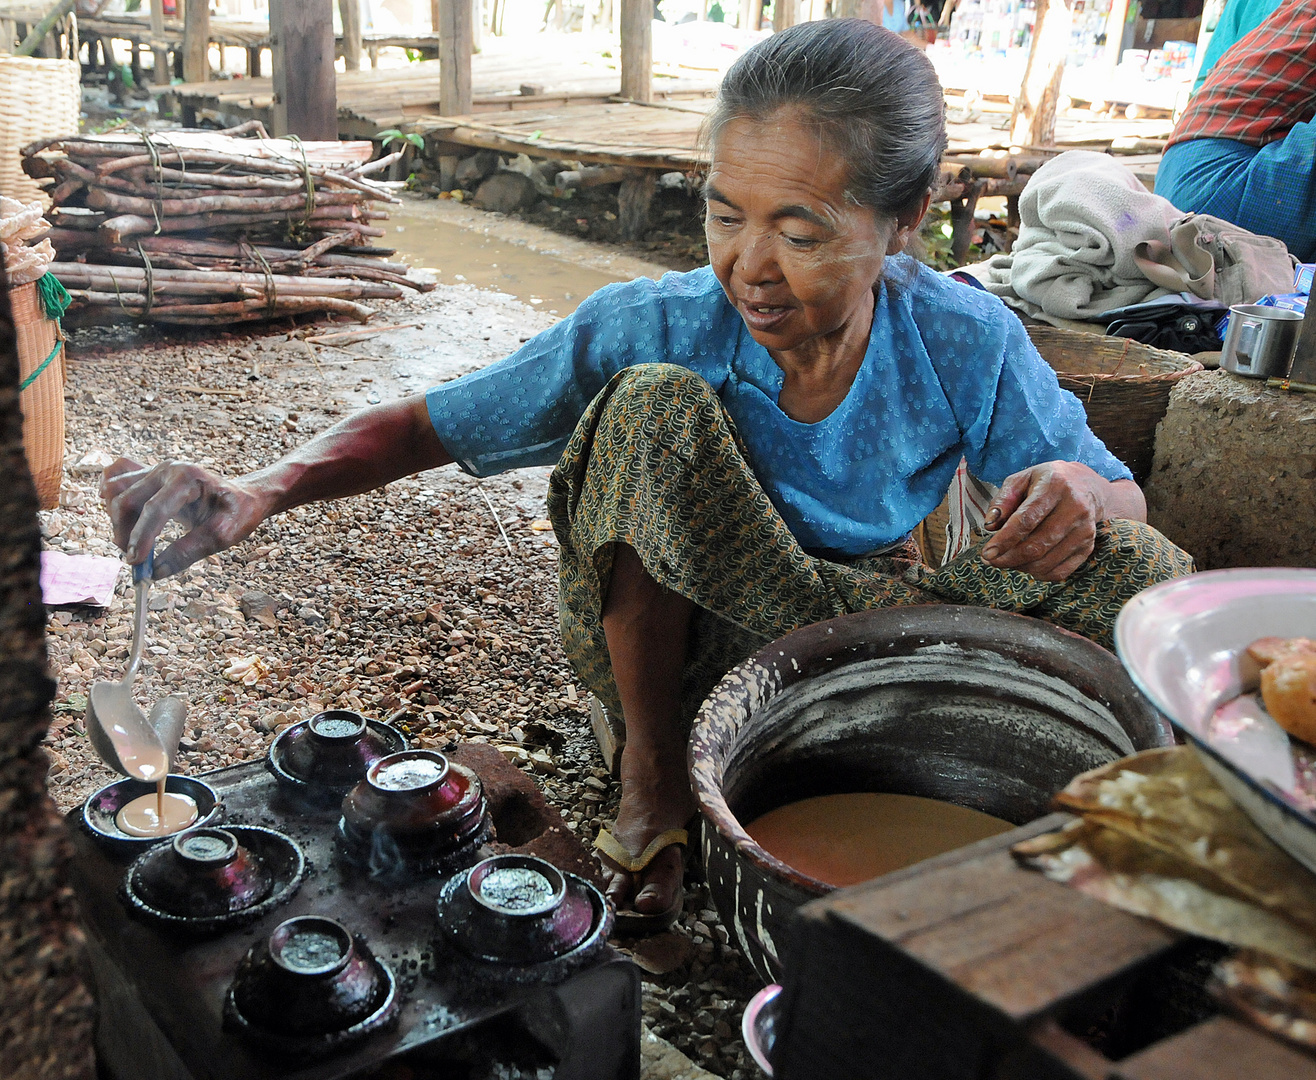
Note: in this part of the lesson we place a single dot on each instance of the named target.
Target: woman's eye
(723, 220)
(802, 242)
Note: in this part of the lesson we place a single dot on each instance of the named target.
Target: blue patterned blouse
(949, 372)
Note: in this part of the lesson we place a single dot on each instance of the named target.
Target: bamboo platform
(560, 68)
(664, 135)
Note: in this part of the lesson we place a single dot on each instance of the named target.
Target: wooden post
(436, 17)
(196, 40)
(587, 17)
(454, 57)
(637, 49)
(633, 199)
(302, 55)
(160, 74)
(1034, 119)
(477, 25)
(1119, 10)
(349, 11)
(785, 14)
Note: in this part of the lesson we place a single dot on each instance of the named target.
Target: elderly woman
(744, 449)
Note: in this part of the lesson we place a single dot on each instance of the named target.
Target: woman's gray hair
(875, 96)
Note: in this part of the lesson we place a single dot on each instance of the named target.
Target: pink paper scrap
(78, 579)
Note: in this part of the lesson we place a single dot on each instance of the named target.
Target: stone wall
(1234, 477)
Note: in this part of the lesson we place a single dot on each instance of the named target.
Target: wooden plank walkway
(369, 101)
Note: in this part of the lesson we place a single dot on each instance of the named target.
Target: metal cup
(1260, 341)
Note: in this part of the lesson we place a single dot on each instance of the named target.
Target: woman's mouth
(764, 317)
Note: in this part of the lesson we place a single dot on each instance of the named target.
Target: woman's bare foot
(655, 798)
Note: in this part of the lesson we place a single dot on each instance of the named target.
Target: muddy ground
(405, 603)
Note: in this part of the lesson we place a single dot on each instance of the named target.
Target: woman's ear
(907, 224)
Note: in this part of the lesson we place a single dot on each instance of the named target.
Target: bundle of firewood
(208, 227)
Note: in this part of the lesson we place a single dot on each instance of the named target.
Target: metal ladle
(126, 739)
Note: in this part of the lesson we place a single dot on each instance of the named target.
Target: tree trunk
(1034, 119)
(45, 1012)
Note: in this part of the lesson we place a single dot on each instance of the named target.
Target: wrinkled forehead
(785, 154)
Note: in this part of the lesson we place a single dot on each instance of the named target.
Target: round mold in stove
(102, 807)
(211, 880)
(522, 918)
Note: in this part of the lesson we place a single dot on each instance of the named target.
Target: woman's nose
(756, 263)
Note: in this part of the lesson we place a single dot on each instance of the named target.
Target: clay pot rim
(876, 633)
(446, 772)
(324, 923)
(360, 723)
(555, 877)
(225, 835)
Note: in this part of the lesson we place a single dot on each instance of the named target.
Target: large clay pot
(989, 710)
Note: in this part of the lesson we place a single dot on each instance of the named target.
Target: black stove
(161, 995)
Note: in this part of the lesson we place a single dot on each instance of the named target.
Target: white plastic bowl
(1183, 644)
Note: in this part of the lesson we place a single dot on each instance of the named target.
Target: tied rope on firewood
(201, 227)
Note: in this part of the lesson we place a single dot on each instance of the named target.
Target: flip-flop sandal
(631, 923)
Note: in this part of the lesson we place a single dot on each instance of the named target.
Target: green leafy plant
(393, 135)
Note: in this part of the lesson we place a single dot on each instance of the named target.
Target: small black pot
(524, 915)
(209, 880)
(309, 989)
(321, 759)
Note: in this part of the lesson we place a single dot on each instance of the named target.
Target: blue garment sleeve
(1029, 419)
(521, 410)
(1010, 409)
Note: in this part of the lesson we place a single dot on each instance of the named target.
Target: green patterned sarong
(656, 463)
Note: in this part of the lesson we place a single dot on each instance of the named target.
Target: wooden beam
(785, 14)
(160, 74)
(455, 43)
(349, 11)
(637, 49)
(196, 40)
(302, 55)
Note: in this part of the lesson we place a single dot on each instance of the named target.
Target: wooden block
(949, 967)
(609, 733)
(1219, 1049)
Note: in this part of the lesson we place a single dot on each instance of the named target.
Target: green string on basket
(55, 300)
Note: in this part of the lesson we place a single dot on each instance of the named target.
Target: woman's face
(794, 253)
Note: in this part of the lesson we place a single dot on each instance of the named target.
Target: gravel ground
(404, 603)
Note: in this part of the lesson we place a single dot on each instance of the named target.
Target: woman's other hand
(141, 500)
(1045, 518)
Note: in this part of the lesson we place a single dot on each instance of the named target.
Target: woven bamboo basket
(42, 401)
(1124, 386)
(39, 99)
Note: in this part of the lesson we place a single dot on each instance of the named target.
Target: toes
(662, 882)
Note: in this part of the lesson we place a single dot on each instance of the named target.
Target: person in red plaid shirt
(1245, 147)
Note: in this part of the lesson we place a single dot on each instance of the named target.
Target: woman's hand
(1045, 518)
(141, 500)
